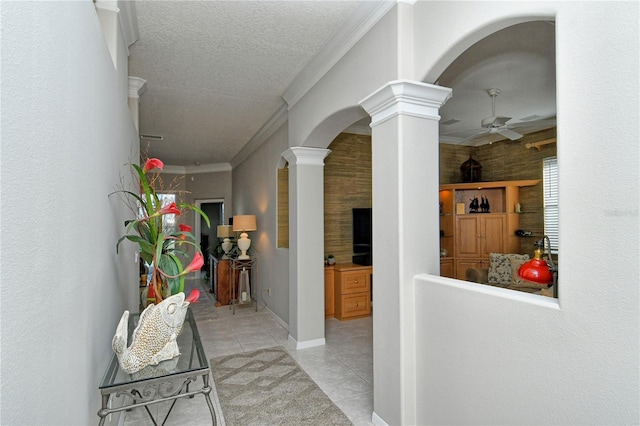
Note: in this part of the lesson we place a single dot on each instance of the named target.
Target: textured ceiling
(216, 72)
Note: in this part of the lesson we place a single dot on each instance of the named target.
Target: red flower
(193, 296)
(196, 263)
(170, 209)
(152, 163)
(184, 228)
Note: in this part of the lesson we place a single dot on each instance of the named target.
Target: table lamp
(537, 270)
(225, 232)
(244, 223)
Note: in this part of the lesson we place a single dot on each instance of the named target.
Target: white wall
(499, 357)
(580, 354)
(255, 192)
(66, 134)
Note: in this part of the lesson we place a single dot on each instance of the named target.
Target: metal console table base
(238, 265)
(169, 384)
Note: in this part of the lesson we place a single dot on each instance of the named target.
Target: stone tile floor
(343, 368)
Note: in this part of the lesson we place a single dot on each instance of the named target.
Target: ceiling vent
(152, 137)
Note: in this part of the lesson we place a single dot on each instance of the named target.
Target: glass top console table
(167, 381)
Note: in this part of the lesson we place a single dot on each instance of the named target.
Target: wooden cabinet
(468, 236)
(447, 268)
(479, 235)
(352, 291)
(329, 299)
(462, 265)
(220, 277)
(220, 280)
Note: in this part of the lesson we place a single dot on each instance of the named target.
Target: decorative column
(306, 245)
(405, 232)
(137, 87)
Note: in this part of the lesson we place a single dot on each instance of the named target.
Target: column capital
(405, 97)
(299, 155)
(137, 87)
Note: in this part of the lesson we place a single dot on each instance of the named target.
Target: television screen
(362, 230)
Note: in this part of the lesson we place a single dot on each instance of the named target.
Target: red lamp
(537, 269)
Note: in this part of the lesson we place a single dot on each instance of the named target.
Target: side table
(237, 267)
(167, 381)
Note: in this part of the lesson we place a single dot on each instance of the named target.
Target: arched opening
(502, 123)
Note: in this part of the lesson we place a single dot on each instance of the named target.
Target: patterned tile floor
(343, 368)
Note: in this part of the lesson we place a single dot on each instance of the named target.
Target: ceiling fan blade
(507, 133)
(471, 139)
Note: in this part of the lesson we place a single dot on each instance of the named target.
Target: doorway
(206, 236)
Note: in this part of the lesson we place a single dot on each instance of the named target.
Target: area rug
(267, 387)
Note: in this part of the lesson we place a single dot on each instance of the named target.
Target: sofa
(503, 272)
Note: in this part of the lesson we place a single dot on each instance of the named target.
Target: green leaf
(195, 209)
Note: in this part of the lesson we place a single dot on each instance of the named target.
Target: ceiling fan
(494, 124)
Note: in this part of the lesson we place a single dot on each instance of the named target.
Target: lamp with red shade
(538, 270)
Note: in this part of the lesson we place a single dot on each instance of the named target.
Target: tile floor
(343, 368)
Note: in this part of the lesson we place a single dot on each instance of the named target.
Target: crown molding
(191, 170)
(363, 18)
(267, 129)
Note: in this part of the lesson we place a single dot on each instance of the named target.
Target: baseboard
(377, 420)
(307, 343)
(277, 318)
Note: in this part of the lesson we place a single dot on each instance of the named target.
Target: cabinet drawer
(354, 282)
(356, 305)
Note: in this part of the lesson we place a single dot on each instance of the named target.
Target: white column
(405, 232)
(137, 87)
(306, 245)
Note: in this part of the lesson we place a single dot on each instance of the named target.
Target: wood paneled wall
(283, 207)
(347, 184)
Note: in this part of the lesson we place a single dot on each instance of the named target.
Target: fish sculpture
(154, 339)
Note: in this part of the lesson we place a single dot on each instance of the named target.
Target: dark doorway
(207, 235)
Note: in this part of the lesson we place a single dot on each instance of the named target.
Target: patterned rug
(267, 387)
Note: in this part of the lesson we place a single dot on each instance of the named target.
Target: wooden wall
(347, 184)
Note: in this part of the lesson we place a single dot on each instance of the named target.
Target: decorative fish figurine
(154, 339)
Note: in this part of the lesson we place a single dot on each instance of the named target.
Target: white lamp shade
(245, 222)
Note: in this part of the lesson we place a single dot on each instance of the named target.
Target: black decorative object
(484, 205)
(471, 170)
(473, 205)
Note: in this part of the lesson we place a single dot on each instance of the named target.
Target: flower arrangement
(159, 246)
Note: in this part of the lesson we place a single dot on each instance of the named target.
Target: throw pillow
(500, 269)
(520, 282)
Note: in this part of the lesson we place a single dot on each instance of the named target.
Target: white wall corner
(128, 21)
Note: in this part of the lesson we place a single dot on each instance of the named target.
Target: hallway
(343, 368)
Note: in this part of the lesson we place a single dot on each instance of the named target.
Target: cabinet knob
(357, 305)
(356, 281)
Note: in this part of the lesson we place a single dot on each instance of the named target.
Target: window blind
(550, 194)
